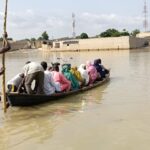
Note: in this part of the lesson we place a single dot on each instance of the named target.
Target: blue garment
(99, 68)
(70, 77)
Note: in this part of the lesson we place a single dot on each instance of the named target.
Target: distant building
(110, 43)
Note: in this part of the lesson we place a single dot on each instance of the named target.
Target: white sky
(30, 18)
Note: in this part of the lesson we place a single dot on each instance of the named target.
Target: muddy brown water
(114, 116)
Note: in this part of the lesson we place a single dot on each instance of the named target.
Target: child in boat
(84, 73)
(59, 78)
(14, 83)
(49, 85)
(92, 72)
(100, 68)
(67, 73)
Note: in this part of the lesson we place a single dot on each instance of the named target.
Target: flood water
(114, 116)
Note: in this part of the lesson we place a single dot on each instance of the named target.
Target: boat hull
(16, 99)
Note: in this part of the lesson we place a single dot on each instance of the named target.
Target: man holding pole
(7, 45)
(4, 49)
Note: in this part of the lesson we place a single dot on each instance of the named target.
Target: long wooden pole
(3, 61)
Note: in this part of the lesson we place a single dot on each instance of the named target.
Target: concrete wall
(36, 44)
(137, 42)
(22, 44)
(97, 44)
(143, 34)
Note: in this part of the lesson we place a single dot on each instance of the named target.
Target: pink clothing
(91, 71)
(58, 77)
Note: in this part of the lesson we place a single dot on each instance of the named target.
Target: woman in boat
(60, 79)
(49, 85)
(100, 68)
(84, 73)
(92, 72)
(77, 75)
(67, 73)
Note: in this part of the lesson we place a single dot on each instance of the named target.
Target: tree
(40, 38)
(84, 36)
(124, 33)
(135, 32)
(110, 33)
(33, 39)
(45, 36)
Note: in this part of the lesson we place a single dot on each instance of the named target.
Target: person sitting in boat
(14, 83)
(100, 68)
(92, 72)
(67, 73)
(84, 73)
(49, 85)
(65, 85)
(34, 71)
(77, 75)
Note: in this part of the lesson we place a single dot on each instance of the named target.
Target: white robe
(84, 73)
(49, 85)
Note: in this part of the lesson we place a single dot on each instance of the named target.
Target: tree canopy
(135, 32)
(124, 33)
(115, 33)
(44, 36)
(110, 33)
(83, 36)
(33, 39)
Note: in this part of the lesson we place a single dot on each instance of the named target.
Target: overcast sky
(29, 18)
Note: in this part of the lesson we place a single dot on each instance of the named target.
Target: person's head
(56, 63)
(69, 66)
(83, 66)
(50, 68)
(99, 61)
(21, 75)
(44, 65)
(28, 62)
(56, 68)
(88, 63)
(75, 68)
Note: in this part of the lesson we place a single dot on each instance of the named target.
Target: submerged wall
(15, 45)
(112, 43)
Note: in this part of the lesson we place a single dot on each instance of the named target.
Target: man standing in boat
(34, 71)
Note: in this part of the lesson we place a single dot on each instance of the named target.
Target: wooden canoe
(16, 99)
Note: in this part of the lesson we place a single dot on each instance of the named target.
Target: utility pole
(73, 26)
(145, 22)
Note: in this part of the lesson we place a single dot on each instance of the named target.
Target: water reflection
(113, 116)
(36, 124)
